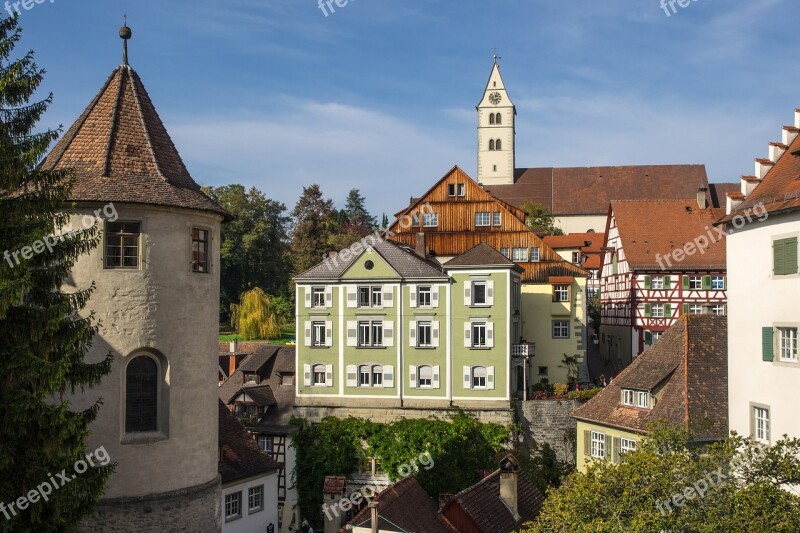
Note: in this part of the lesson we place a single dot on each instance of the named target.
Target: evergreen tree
(314, 224)
(44, 337)
(384, 222)
(356, 211)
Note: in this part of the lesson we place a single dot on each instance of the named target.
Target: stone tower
(156, 273)
(496, 135)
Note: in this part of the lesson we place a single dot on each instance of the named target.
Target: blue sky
(381, 95)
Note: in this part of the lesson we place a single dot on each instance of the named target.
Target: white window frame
(318, 337)
(519, 255)
(695, 309)
(695, 283)
(628, 397)
(627, 445)
(655, 336)
(657, 283)
(485, 292)
(315, 373)
(252, 492)
(263, 440)
(561, 293)
(421, 326)
(718, 309)
(430, 220)
(368, 333)
(598, 445)
(476, 328)
(374, 295)
(233, 501)
(476, 377)
(657, 311)
(761, 424)
(318, 297)
(376, 372)
(536, 253)
(462, 190)
(561, 326)
(787, 344)
(497, 218)
(643, 399)
(483, 219)
(422, 382)
(717, 283)
(425, 296)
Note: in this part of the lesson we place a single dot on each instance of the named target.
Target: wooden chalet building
(662, 259)
(457, 214)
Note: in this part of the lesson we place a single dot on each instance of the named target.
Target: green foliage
(584, 395)
(460, 449)
(254, 246)
(594, 310)
(743, 485)
(45, 331)
(256, 318)
(540, 463)
(560, 389)
(570, 362)
(539, 219)
(314, 221)
(283, 307)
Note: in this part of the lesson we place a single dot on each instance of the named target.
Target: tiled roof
(575, 240)
(406, 263)
(589, 190)
(334, 485)
(405, 505)
(718, 191)
(261, 394)
(649, 229)
(687, 370)
(483, 504)
(780, 189)
(481, 255)
(241, 457)
(121, 151)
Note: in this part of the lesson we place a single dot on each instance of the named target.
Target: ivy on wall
(459, 448)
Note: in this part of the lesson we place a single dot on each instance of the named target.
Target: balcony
(523, 350)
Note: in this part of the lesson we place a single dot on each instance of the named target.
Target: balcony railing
(523, 350)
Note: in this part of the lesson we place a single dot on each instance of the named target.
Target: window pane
(141, 395)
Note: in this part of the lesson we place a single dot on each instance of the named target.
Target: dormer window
(628, 398)
(250, 377)
(643, 399)
(635, 398)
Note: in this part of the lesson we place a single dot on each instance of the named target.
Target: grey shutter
(587, 443)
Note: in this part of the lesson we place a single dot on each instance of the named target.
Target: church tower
(156, 274)
(496, 135)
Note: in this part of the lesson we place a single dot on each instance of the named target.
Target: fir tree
(314, 224)
(44, 337)
(356, 211)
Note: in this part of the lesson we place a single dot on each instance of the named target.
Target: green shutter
(667, 282)
(647, 282)
(767, 344)
(706, 283)
(647, 310)
(685, 309)
(668, 311)
(685, 283)
(791, 256)
(648, 337)
(784, 252)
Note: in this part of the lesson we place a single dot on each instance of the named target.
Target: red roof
(576, 240)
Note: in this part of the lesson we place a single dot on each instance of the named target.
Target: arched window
(498, 119)
(363, 376)
(491, 144)
(479, 377)
(498, 145)
(141, 395)
(491, 118)
(377, 376)
(318, 371)
(425, 377)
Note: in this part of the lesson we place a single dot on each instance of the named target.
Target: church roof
(121, 151)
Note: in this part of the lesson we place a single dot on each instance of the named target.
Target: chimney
(776, 150)
(420, 248)
(373, 510)
(509, 469)
(797, 118)
(702, 201)
(749, 183)
(234, 346)
(733, 201)
(790, 133)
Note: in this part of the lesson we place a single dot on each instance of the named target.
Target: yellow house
(681, 380)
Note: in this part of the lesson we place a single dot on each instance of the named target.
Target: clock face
(495, 98)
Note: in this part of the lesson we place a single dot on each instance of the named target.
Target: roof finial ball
(125, 34)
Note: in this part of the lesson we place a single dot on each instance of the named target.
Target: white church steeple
(496, 116)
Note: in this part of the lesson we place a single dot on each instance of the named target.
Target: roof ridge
(146, 127)
(114, 123)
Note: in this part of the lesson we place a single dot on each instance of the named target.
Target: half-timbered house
(662, 260)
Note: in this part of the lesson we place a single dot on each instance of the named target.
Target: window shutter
(685, 309)
(467, 335)
(648, 337)
(352, 333)
(685, 281)
(768, 344)
(725, 283)
(328, 333)
(388, 333)
(308, 295)
(412, 333)
(413, 298)
(435, 296)
(435, 380)
(706, 283)
(779, 257)
(490, 378)
(667, 310)
(791, 255)
(608, 447)
(412, 376)
(617, 450)
(490, 334)
(307, 375)
(647, 282)
(388, 377)
(490, 292)
(328, 296)
(667, 282)
(388, 296)
(329, 375)
(308, 333)
(352, 376)
(785, 252)
(647, 310)
(435, 334)
(352, 297)
(587, 443)
(467, 378)
(467, 293)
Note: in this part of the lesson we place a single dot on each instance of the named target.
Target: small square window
(483, 219)
(560, 329)
(519, 255)
(696, 283)
(265, 443)
(561, 293)
(430, 220)
(718, 283)
(627, 445)
(505, 253)
(657, 283)
(122, 244)
(542, 370)
(657, 311)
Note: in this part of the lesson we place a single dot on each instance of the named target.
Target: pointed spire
(125, 34)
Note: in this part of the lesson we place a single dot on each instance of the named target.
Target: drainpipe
(373, 508)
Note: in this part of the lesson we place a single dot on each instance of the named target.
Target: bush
(560, 389)
(584, 395)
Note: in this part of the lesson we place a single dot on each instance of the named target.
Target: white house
(764, 294)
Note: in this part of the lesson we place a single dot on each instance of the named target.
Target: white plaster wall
(581, 223)
(258, 521)
(756, 299)
(165, 308)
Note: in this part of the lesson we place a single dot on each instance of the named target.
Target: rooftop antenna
(125, 34)
(495, 56)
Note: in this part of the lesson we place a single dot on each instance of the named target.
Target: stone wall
(189, 510)
(315, 414)
(549, 421)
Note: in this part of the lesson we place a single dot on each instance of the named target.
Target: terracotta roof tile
(241, 457)
(121, 151)
(575, 240)
(649, 229)
(334, 485)
(687, 371)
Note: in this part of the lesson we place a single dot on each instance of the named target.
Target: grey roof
(405, 262)
(261, 394)
(481, 255)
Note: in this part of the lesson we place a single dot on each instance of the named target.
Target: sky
(380, 95)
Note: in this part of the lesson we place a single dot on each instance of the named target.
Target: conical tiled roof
(121, 151)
